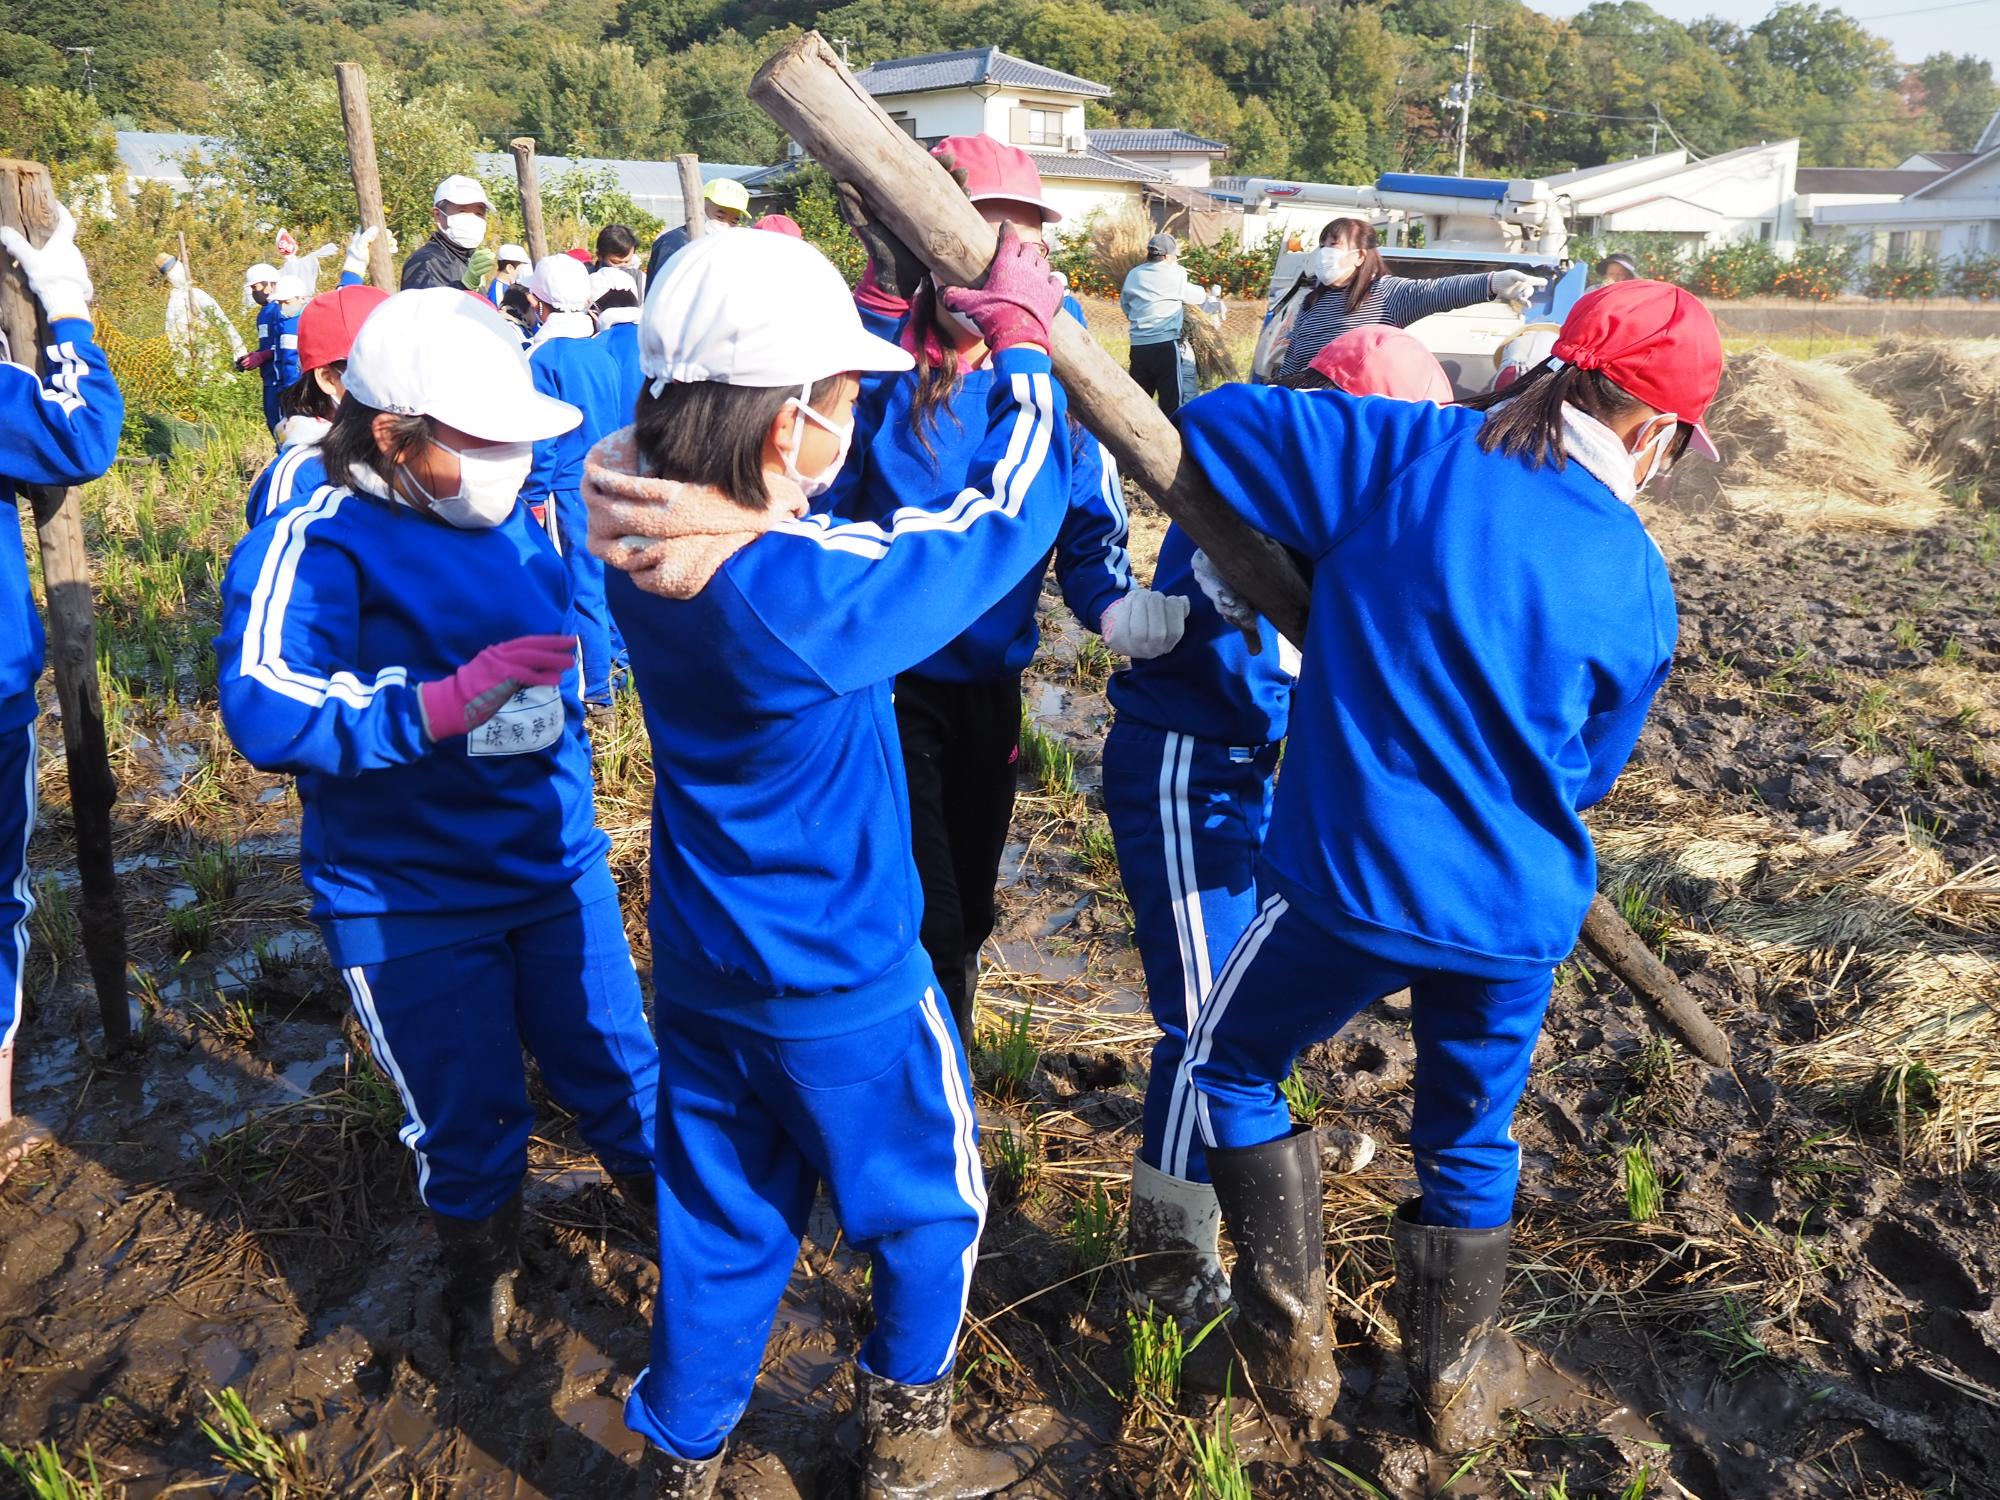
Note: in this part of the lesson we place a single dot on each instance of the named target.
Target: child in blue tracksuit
(403, 642)
(571, 365)
(1188, 770)
(61, 431)
(326, 332)
(1490, 622)
(802, 1038)
(959, 711)
(614, 302)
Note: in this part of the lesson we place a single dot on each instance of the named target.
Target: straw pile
(1214, 363)
(1947, 392)
(1118, 242)
(1805, 445)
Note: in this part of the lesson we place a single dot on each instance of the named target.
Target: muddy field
(1774, 1284)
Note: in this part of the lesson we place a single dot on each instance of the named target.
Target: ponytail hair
(1525, 419)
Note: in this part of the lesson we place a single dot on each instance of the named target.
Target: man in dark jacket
(458, 208)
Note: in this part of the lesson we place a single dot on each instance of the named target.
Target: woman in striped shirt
(1354, 289)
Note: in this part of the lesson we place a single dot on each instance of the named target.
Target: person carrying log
(1490, 622)
(61, 431)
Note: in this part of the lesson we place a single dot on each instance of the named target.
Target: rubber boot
(1170, 1237)
(1280, 1334)
(908, 1451)
(1464, 1370)
(965, 1003)
(641, 1192)
(481, 1259)
(673, 1478)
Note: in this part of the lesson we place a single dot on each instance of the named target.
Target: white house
(161, 156)
(1952, 214)
(1823, 188)
(1180, 155)
(984, 91)
(1746, 194)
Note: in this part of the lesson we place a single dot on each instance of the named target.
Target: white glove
(56, 273)
(356, 263)
(1145, 624)
(1228, 603)
(1517, 287)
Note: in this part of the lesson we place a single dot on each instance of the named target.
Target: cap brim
(526, 417)
(1704, 445)
(868, 354)
(1049, 215)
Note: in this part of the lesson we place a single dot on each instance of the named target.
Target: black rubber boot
(965, 1002)
(1465, 1371)
(641, 1192)
(908, 1451)
(481, 1258)
(1170, 1242)
(670, 1478)
(1280, 1334)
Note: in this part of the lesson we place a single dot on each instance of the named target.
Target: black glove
(897, 271)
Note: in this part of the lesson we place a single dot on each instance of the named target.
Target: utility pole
(843, 43)
(89, 78)
(1464, 91)
(1656, 128)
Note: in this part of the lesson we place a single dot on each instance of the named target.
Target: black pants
(961, 747)
(1157, 368)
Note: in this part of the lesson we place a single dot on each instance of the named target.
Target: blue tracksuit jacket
(781, 858)
(1209, 685)
(280, 335)
(292, 476)
(622, 340)
(585, 373)
(62, 433)
(331, 615)
(1485, 641)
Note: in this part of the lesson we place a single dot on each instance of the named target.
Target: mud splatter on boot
(1171, 1236)
(908, 1451)
(1465, 1371)
(671, 1478)
(481, 1258)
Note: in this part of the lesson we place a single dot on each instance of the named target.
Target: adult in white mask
(1351, 288)
(458, 210)
(404, 643)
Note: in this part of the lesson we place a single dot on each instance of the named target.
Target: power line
(1921, 10)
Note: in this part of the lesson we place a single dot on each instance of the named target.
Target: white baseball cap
(291, 286)
(510, 255)
(562, 281)
(756, 309)
(459, 188)
(260, 272)
(612, 279)
(445, 353)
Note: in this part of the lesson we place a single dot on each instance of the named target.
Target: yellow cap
(727, 192)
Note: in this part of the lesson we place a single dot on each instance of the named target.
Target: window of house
(905, 123)
(1038, 127)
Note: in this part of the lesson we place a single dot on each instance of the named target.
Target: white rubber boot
(1172, 1234)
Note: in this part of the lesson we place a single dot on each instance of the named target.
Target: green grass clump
(40, 1472)
(1219, 1473)
(1006, 1057)
(1643, 1194)
(1045, 759)
(277, 1467)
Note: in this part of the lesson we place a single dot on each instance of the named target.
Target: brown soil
(1812, 1312)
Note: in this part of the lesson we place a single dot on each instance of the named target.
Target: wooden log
(694, 208)
(360, 127)
(809, 92)
(529, 176)
(27, 203)
(806, 90)
(1611, 938)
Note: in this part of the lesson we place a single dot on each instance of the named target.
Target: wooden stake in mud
(360, 126)
(529, 176)
(695, 213)
(810, 93)
(27, 203)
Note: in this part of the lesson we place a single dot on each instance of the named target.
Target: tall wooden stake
(27, 203)
(810, 93)
(692, 204)
(360, 127)
(529, 176)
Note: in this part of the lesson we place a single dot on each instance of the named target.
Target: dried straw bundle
(1947, 392)
(1214, 364)
(1118, 243)
(1804, 444)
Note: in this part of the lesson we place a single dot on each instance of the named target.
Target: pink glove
(460, 703)
(1020, 299)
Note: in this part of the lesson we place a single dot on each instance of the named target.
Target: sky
(1915, 28)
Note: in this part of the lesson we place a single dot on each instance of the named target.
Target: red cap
(577, 252)
(996, 173)
(1379, 360)
(780, 224)
(330, 321)
(1653, 341)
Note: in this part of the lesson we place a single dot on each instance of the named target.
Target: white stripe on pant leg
(971, 1179)
(1218, 1003)
(1185, 1100)
(1190, 929)
(371, 1022)
(24, 892)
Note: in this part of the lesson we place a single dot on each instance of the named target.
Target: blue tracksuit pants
(447, 1027)
(750, 1125)
(1290, 983)
(1188, 818)
(604, 655)
(17, 897)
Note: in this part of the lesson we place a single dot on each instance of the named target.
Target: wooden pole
(360, 127)
(27, 203)
(530, 178)
(692, 205)
(810, 93)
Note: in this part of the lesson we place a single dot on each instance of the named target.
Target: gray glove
(1228, 603)
(897, 271)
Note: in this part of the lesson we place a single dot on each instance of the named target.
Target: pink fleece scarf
(668, 535)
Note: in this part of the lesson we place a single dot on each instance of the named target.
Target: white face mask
(1336, 264)
(1658, 453)
(489, 485)
(467, 231)
(821, 482)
